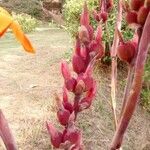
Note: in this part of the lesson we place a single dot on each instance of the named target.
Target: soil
(28, 83)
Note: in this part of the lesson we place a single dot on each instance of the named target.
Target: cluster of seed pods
(88, 48)
(136, 14)
(105, 7)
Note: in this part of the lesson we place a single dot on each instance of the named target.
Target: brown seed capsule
(126, 51)
(136, 4)
(131, 17)
(142, 15)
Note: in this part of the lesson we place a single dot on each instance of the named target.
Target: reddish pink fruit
(63, 116)
(126, 51)
(70, 84)
(87, 101)
(109, 4)
(131, 17)
(84, 35)
(88, 82)
(78, 63)
(65, 70)
(67, 105)
(85, 19)
(96, 49)
(142, 15)
(103, 16)
(73, 135)
(65, 95)
(136, 4)
(56, 136)
(96, 15)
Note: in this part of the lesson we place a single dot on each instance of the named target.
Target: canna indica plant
(6, 21)
(89, 47)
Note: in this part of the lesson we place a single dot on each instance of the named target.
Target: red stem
(136, 86)
(5, 133)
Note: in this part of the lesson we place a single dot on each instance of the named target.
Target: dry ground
(26, 96)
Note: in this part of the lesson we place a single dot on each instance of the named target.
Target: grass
(145, 96)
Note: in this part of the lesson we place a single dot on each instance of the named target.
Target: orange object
(6, 21)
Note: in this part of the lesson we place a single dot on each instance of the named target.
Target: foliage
(27, 22)
(145, 95)
(72, 10)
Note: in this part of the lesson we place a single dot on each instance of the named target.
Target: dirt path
(26, 96)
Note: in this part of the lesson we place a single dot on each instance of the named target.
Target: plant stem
(136, 86)
(76, 102)
(114, 61)
(5, 133)
(127, 87)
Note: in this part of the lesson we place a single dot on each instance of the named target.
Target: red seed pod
(78, 63)
(103, 16)
(136, 4)
(80, 87)
(96, 15)
(88, 82)
(70, 84)
(96, 49)
(85, 18)
(109, 4)
(73, 134)
(65, 70)
(87, 101)
(63, 116)
(142, 15)
(131, 17)
(126, 51)
(56, 136)
(84, 35)
(67, 105)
